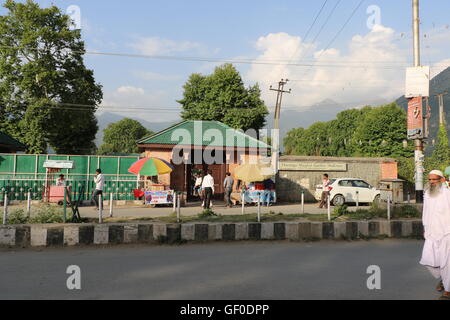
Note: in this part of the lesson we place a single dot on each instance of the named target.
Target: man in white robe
(436, 222)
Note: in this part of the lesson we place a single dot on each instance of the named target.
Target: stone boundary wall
(123, 233)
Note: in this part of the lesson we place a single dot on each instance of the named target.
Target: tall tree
(223, 97)
(366, 132)
(47, 95)
(440, 159)
(121, 136)
(382, 132)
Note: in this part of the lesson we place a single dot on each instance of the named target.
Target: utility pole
(276, 126)
(441, 108)
(418, 143)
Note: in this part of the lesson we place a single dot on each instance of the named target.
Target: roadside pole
(178, 207)
(243, 202)
(111, 204)
(389, 207)
(5, 208)
(29, 203)
(418, 143)
(100, 208)
(65, 204)
(329, 208)
(303, 201)
(357, 199)
(259, 206)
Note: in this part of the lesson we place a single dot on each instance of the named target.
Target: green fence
(21, 172)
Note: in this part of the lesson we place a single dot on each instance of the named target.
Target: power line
(322, 27)
(309, 29)
(224, 60)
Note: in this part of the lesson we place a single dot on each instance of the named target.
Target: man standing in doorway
(228, 186)
(325, 191)
(99, 180)
(436, 222)
(208, 187)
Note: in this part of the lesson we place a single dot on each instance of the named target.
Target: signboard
(252, 196)
(415, 118)
(59, 164)
(312, 166)
(159, 197)
(417, 82)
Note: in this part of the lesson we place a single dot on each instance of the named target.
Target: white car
(348, 190)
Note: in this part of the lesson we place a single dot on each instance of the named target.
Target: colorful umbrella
(253, 172)
(150, 167)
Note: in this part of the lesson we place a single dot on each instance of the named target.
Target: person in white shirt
(61, 182)
(208, 188)
(325, 191)
(436, 222)
(99, 180)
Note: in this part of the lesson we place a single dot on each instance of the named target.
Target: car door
(364, 191)
(347, 190)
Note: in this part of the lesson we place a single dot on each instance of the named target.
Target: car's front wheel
(338, 200)
(377, 200)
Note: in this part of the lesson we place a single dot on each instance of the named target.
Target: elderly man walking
(436, 222)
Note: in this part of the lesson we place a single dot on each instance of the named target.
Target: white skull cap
(437, 173)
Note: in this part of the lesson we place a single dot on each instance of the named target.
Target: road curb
(123, 233)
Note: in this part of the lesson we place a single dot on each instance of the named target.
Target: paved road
(249, 270)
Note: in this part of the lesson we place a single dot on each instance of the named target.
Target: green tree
(223, 97)
(382, 132)
(47, 95)
(121, 137)
(440, 158)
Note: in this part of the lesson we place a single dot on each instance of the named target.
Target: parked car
(347, 190)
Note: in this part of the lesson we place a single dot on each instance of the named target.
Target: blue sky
(262, 30)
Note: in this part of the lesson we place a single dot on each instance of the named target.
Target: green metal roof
(8, 141)
(203, 133)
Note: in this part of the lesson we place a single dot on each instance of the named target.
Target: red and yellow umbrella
(150, 167)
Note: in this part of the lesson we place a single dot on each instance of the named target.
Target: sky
(353, 52)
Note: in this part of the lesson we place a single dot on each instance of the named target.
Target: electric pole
(276, 126)
(418, 143)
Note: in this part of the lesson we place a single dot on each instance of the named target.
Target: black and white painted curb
(120, 233)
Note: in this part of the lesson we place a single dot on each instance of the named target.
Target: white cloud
(130, 90)
(372, 68)
(161, 46)
(155, 106)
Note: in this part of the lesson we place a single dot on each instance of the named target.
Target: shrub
(15, 217)
(48, 214)
(207, 213)
(341, 210)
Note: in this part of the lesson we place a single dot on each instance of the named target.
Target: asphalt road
(244, 270)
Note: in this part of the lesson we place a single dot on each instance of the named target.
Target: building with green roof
(193, 146)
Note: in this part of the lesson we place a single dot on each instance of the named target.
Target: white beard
(433, 191)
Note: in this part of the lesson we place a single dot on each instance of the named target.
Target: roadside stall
(53, 193)
(153, 192)
(255, 177)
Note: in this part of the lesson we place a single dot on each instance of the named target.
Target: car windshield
(332, 181)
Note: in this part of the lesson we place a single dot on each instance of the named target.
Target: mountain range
(323, 111)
